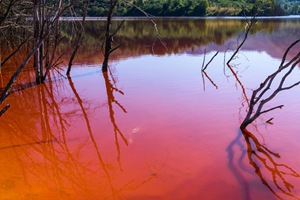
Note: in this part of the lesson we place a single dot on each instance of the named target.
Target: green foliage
(290, 6)
(195, 7)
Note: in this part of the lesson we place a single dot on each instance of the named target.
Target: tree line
(196, 7)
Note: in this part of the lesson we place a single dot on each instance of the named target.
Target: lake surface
(155, 126)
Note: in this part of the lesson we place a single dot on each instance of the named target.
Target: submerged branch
(257, 95)
(4, 109)
(250, 25)
(203, 69)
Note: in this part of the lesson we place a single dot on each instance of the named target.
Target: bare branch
(4, 109)
(249, 26)
(210, 60)
(260, 92)
(15, 51)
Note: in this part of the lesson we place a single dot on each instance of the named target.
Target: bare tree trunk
(37, 44)
(36, 38)
(108, 49)
(79, 38)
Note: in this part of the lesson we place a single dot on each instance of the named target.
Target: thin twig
(210, 60)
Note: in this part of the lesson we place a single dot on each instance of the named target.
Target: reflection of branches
(260, 156)
(110, 89)
(203, 73)
(259, 93)
(210, 80)
(235, 169)
(100, 158)
(239, 82)
(59, 163)
(151, 20)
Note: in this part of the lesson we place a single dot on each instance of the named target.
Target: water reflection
(274, 175)
(110, 89)
(191, 36)
(205, 75)
(54, 159)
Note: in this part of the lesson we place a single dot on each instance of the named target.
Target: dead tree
(259, 97)
(45, 21)
(108, 47)
(38, 47)
(78, 38)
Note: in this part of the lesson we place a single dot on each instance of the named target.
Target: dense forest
(197, 7)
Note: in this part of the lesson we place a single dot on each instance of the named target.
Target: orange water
(152, 129)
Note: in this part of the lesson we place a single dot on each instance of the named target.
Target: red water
(149, 130)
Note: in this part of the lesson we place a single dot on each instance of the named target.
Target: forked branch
(259, 97)
(249, 26)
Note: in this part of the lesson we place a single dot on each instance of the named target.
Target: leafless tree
(109, 35)
(78, 38)
(260, 96)
(45, 21)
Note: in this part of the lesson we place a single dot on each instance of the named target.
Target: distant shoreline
(183, 17)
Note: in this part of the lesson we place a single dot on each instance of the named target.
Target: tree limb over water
(259, 97)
